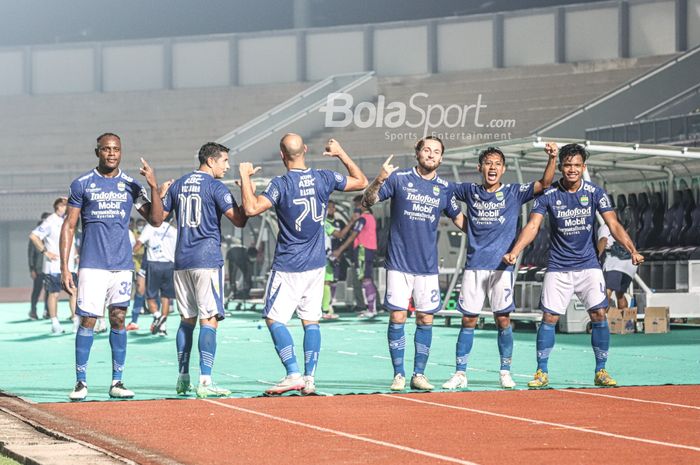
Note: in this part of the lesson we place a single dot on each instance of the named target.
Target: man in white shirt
(45, 238)
(618, 268)
(160, 245)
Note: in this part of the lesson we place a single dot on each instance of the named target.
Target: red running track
(635, 425)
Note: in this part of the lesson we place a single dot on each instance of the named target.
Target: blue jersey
(572, 223)
(199, 200)
(300, 198)
(105, 208)
(493, 222)
(416, 206)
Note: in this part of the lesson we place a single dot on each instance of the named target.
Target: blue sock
(505, 346)
(139, 300)
(465, 341)
(422, 340)
(312, 346)
(545, 344)
(117, 341)
(83, 344)
(284, 345)
(397, 347)
(183, 342)
(207, 349)
(600, 340)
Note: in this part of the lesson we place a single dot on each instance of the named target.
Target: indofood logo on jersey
(489, 209)
(109, 200)
(574, 217)
(423, 202)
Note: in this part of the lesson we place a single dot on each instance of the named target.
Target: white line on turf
(344, 434)
(631, 399)
(547, 423)
(347, 353)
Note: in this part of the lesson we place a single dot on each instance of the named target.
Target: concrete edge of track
(30, 443)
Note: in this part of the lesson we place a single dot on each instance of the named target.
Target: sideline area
(354, 358)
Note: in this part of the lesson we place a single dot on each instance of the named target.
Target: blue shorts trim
(218, 296)
(603, 304)
(548, 310)
(505, 311)
(432, 311)
(393, 308)
(270, 299)
(81, 312)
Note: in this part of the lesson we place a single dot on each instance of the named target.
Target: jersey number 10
(190, 213)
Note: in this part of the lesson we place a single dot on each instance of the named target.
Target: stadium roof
(614, 161)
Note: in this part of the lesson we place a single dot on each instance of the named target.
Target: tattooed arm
(371, 195)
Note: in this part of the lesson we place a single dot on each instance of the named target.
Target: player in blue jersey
(300, 199)
(418, 198)
(102, 200)
(199, 200)
(573, 267)
(493, 209)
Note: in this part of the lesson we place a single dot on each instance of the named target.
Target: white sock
(156, 314)
(54, 321)
(205, 379)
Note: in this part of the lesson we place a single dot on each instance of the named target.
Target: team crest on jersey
(338, 177)
(524, 187)
(584, 200)
(121, 186)
(436, 190)
(499, 196)
(228, 198)
(604, 202)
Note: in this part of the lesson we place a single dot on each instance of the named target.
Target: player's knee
(597, 314)
(398, 317)
(469, 321)
(502, 321)
(424, 319)
(550, 318)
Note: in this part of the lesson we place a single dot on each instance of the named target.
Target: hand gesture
(163, 189)
(333, 149)
(246, 169)
(637, 258)
(51, 256)
(551, 149)
(510, 258)
(67, 283)
(387, 168)
(147, 172)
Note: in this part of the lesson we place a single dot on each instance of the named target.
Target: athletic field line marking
(343, 434)
(347, 353)
(547, 423)
(629, 399)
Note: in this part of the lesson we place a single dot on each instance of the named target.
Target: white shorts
(478, 284)
(400, 287)
(100, 288)
(289, 291)
(199, 292)
(560, 286)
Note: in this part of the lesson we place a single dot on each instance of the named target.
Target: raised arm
(525, 238)
(253, 205)
(371, 195)
(65, 244)
(237, 216)
(356, 178)
(151, 212)
(552, 150)
(621, 236)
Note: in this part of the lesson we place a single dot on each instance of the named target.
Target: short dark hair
(489, 151)
(45, 215)
(211, 150)
(59, 201)
(107, 134)
(571, 150)
(421, 143)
